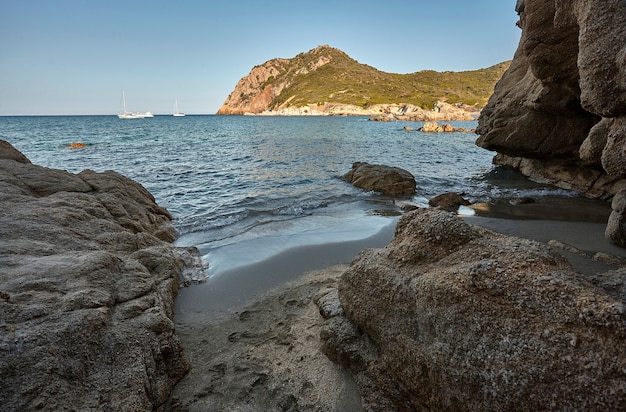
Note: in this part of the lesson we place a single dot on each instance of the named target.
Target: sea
(245, 188)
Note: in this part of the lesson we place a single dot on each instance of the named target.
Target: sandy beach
(255, 344)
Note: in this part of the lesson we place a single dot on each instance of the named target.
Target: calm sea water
(245, 188)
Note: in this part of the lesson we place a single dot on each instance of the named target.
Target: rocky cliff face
(559, 112)
(87, 289)
(252, 94)
(451, 317)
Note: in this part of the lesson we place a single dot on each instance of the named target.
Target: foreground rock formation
(388, 180)
(87, 286)
(559, 112)
(454, 317)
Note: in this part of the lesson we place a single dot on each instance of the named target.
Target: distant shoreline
(385, 112)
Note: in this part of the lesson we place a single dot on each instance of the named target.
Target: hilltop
(326, 80)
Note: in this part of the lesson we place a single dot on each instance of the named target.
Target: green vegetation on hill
(346, 81)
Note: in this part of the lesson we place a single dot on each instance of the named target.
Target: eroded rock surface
(388, 180)
(87, 287)
(450, 316)
(559, 112)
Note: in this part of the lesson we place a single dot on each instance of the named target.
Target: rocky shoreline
(87, 287)
(507, 320)
(381, 112)
(90, 276)
(448, 316)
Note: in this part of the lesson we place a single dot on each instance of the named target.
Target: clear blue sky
(76, 56)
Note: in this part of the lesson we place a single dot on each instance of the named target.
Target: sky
(75, 57)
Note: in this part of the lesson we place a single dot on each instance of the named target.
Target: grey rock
(616, 226)
(87, 287)
(454, 317)
(448, 201)
(388, 180)
(591, 149)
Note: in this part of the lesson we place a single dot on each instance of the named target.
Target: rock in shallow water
(388, 180)
(454, 317)
(448, 201)
(87, 288)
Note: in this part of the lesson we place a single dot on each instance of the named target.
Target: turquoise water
(244, 188)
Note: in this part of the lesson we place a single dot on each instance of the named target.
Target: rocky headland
(87, 287)
(559, 112)
(327, 82)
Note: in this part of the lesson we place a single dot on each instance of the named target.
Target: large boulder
(559, 111)
(87, 289)
(453, 317)
(535, 110)
(388, 180)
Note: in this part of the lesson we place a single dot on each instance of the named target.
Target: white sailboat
(176, 112)
(131, 115)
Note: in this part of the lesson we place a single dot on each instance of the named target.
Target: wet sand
(266, 357)
(254, 344)
(230, 291)
(252, 334)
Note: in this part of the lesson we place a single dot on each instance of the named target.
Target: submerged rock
(448, 201)
(453, 317)
(87, 291)
(388, 180)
